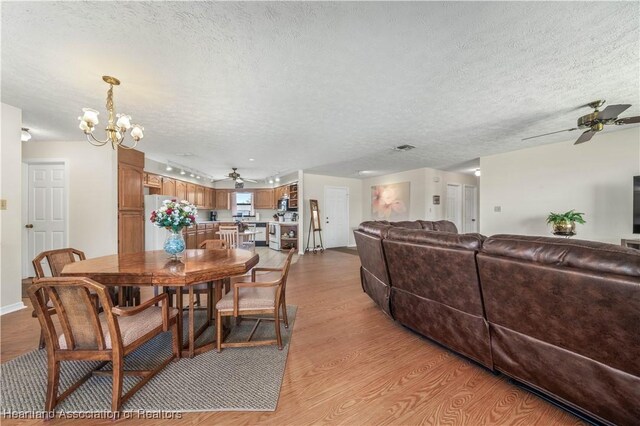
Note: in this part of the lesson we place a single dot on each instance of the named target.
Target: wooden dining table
(156, 268)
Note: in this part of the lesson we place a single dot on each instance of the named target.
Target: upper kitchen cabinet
(264, 199)
(293, 196)
(181, 190)
(191, 193)
(200, 201)
(130, 180)
(279, 192)
(222, 199)
(209, 198)
(130, 201)
(152, 180)
(168, 186)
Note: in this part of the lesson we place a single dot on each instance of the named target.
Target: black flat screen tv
(636, 204)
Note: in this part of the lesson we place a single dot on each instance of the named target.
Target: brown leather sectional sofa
(561, 316)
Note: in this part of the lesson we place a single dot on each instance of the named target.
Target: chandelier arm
(123, 146)
(97, 141)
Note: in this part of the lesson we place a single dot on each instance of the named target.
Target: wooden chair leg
(284, 314)
(175, 340)
(209, 301)
(219, 331)
(277, 323)
(116, 390)
(53, 380)
(41, 344)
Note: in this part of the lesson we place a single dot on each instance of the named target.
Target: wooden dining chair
(84, 334)
(230, 235)
(213, 245)
(249, 241)
(255, 298)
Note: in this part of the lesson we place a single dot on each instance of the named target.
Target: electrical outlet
(3, 204)
(497, 209)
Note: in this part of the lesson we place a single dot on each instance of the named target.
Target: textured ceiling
(325, 87)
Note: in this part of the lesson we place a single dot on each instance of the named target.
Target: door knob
(29, 226)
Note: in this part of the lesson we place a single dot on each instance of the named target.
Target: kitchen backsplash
(225, 215)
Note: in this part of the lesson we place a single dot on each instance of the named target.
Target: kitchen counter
(283, 223)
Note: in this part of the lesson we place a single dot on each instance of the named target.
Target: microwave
(283, 204)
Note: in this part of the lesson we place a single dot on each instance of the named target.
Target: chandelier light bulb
(84, 126)
(136, 132)
(90, 116)
(124, 121)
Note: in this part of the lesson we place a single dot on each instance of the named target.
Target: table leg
(192, 324)
(180, 314)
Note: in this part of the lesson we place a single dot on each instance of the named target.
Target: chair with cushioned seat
(255, 298)
(88, 335)
(57, 260)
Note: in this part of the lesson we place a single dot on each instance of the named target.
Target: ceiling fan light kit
(596, 120)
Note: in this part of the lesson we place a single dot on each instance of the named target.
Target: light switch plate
(3, 204)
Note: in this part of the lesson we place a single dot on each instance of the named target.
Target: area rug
(236, 379)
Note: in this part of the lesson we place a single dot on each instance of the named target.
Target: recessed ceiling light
(251, 159)
(198, 177)
(270, 180)
(168, 168)
(182, 172)
(192, 175)
(364, 172)
(277, 179)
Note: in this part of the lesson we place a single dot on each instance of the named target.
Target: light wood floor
(350, 364)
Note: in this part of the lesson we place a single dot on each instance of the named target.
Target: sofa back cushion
(440, 266)
(582, 296)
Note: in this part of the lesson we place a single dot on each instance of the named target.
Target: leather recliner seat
(435, 288)
(564, 318)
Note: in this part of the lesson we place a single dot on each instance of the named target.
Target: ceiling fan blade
(612, 111)
(239, 180)
(552, 133)
(585, 137)
(629, 120)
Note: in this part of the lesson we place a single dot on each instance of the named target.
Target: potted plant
(173, 216)
(565, 223)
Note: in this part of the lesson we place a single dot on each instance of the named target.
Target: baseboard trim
(12, 308)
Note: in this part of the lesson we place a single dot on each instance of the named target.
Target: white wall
(423, 188)
(314, 190)
(11, 218)
(93, 192)
(595, 178)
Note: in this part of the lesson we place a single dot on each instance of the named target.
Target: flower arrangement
(174, 215)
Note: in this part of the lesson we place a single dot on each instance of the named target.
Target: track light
(168, 168)
(270, 180)
(182, 172)
(277, 179)
(25, 135)
(477, 172)
(192, 175)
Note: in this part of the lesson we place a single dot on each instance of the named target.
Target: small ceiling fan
(235, 176)
(596, 121)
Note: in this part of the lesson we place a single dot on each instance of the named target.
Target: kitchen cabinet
(131, 179)
(201, 235)
(181, 190)
(280, 192)
(264, 199)
(222, 199)
(209, 202)
(293, 196)
(168, 186)
(191, 193)
(152, 180)
(200, 196)
(191, 238)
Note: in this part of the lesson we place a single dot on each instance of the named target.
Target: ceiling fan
(235, 176)
(596, 120)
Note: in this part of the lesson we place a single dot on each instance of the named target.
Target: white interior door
(454, 204)
(46, 210)
(470, 208)
(336, 217)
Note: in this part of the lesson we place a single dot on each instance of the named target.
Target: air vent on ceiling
(403, 148)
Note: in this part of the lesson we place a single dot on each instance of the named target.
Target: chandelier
(118, 126)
